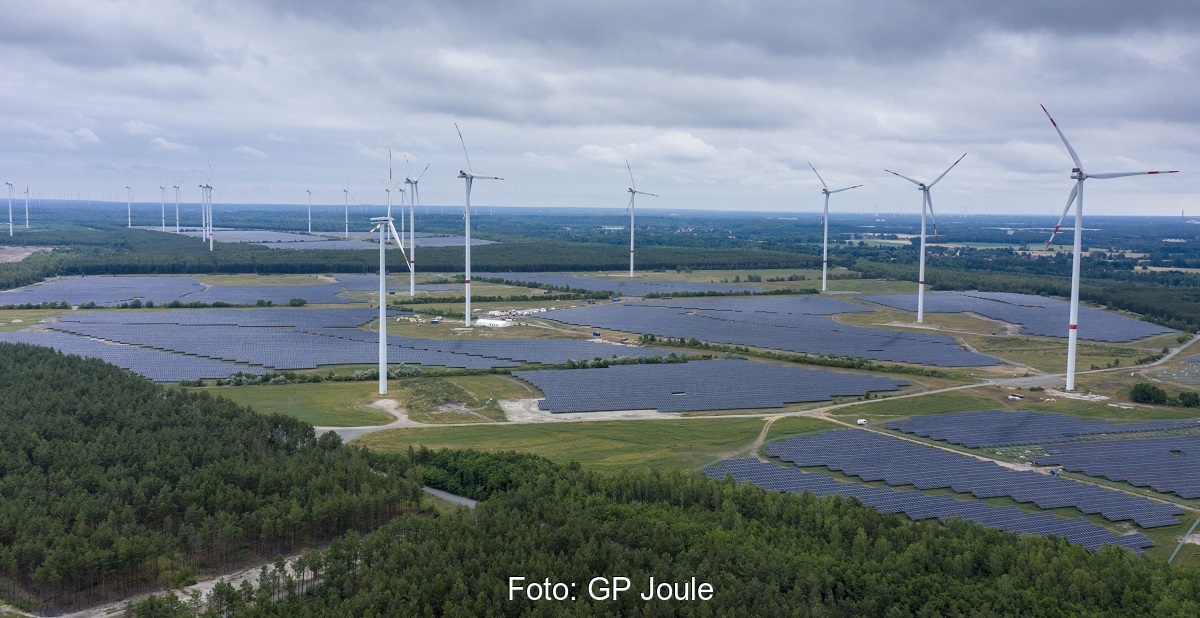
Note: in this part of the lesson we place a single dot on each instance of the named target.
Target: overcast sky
(716, 104)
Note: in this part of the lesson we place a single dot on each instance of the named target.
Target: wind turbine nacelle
(1077, 173)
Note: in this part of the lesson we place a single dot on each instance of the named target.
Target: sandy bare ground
(16, 254)
(526, 411)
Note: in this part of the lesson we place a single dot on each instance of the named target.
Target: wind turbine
(10, 220)
(413, 198)
(385, 227)
(309, 191)
(468, 176)
(633, 193)
(206, 210)
(163, 190)
(26, 206)
(825, 222)
(926, 204)
(346, 193)
(1079, 176)
(176, 208)
(128, 207)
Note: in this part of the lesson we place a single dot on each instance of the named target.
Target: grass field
(673, 444)
(325, 404)
(20, 319)
(793, 425)
(939, 403)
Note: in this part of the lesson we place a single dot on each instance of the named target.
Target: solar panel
(994, 428)
(1168, 465)
(917, 506)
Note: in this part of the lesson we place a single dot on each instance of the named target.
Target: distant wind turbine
(176, 208)
(206, 210)
(1079, 176)
(128, 207)
(825, 223)
(413, 200)
(386, 229)
(163, 189)
(309, 191)
(633, 193)
(346, 193)
(468, 176)
(26, 206)
(926, 204)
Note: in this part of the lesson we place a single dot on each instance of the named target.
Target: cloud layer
(716, 104)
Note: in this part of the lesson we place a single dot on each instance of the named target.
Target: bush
(297, 302)
(1188, 399)
(1147, 393)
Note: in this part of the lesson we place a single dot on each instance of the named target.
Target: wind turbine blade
(400, 245)
(389, 162)
(464, 147)
(1074, 157)
(409, 165)
(823, 185)
(423, 172)
(632, 184)
(915, 182)
(846, 189)
(1123, 174)
(644, 193)
(1070, 200)
(929, 201)
(947, 171)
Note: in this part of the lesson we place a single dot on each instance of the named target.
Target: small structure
(493, 322)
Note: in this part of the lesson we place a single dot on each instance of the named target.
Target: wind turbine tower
(309, 191)
(469, 177)
(413, 199)
(163, 190)
(825, 223)
(128, 207)
(1078, 175)
(386, 229)
(926, 205)
(346, 193)
(633, 193)
(206, 213)
(176, 208)
(26, 206)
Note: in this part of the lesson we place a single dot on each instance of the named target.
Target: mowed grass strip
(794, 425)
(673, 444)
(324, 404)
(939, 403)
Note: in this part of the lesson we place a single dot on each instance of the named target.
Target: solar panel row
(1037, 315)
(875, 457)
(918, 506)
(1169, 465)
(620, 286)
(740, 322)
(157, 365)
(111, 291)
(991, 428)
(695, 386)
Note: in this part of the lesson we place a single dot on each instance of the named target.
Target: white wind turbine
(413, 199)
(163, 189)
(10, 219)
(468, 176)
(926, 205)
(128, 207)
(176, 187)
(26, 206)
(206, 213)
(386, 229)
(633, 193)
(1079, 176)
(825, 222)
(309, 191)
(346, 193)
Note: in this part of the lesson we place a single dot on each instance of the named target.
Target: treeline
(111, 485)
(763, 553)
(121, 251)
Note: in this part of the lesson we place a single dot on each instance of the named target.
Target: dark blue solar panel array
(875, 457)
(1037, 315)
(918, 506)
(307, 338)
(695, 386)
(112, 291)
(775, 324)
(998, 428)
(106, 291)
(620, 286)
(154, 364)
(1169, 465)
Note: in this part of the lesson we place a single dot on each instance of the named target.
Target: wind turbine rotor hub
(1077, 173)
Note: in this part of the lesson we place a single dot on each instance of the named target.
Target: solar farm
(697, 386)
(617, 285)
(997, 428)
(794, 324)
(297, 240)
(1037, 315)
